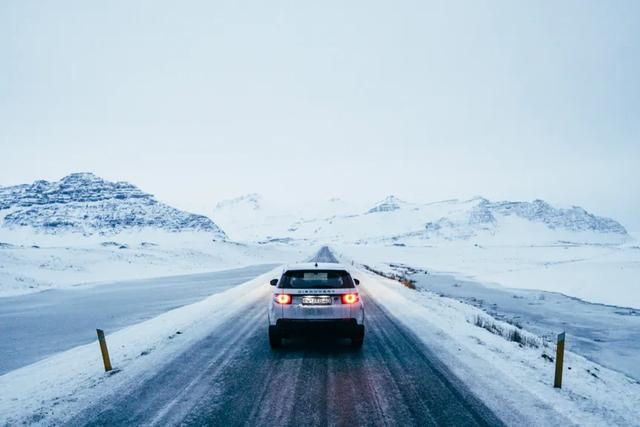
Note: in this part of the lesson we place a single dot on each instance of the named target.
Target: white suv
(316, 296)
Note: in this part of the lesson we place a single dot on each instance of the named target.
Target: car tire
(275, 339)
(357, 339)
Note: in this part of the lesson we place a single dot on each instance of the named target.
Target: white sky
(201, 101)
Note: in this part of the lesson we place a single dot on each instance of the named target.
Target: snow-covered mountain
(486, 215)
(251, 201)
(84, 203)
(253, 218)
(393, 220)
(389, 204)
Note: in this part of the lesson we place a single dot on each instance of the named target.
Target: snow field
(54, 389)
(70, 260)
(514, 380)
(600, 274)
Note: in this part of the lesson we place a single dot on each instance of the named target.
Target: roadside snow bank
(604, 274)
(34, 262)
(54, 389)
(514, 379)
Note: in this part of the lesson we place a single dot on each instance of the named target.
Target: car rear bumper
(338, 327)
(301, 313)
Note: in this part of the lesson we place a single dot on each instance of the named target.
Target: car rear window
(316, 279)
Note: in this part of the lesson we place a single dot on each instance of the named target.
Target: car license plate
(316, 300)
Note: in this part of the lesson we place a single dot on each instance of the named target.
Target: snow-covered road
(34, 326)
(425, 361)
(232, 377)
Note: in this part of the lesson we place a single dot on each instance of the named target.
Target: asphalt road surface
(324, 255)
(36, 325)
(233, 378)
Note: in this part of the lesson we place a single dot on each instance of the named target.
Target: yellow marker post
(103, 349)
(559, 360)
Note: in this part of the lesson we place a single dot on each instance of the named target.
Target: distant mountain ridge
(483, 211)
(389, 204)
(479, 215)
(86, 203)
(253, 200)
(574, 218)
(397, 221)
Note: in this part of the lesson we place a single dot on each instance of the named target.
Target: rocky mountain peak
(251, 200)
(388, 204)
(86, 203)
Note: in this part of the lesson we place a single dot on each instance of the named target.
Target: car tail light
(283, 299)
(350, 298)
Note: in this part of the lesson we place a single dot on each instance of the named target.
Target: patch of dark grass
(408, 283)
(114, 371)
(508, 332)
(548, 358)
(405, 281)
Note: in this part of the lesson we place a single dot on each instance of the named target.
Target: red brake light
(283, 299)
(350, 298)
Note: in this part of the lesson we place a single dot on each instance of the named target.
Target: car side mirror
(356, 281)
(273, 282)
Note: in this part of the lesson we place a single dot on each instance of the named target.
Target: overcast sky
(201, 101)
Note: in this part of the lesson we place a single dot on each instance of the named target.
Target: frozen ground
(605, 334)
(58, 386)
(185, 364)
(509, 374)
(523, 245)
(609, 335)
(32, 262)
(36, 325)
(602, 273)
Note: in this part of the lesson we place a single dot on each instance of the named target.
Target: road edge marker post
(104, 350)
(557, 383)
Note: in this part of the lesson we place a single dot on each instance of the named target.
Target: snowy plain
(33, 262)
(514, 380)
(34, 326)
(605, 274)
(523, 245)
(602, 321)
(54, 389)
